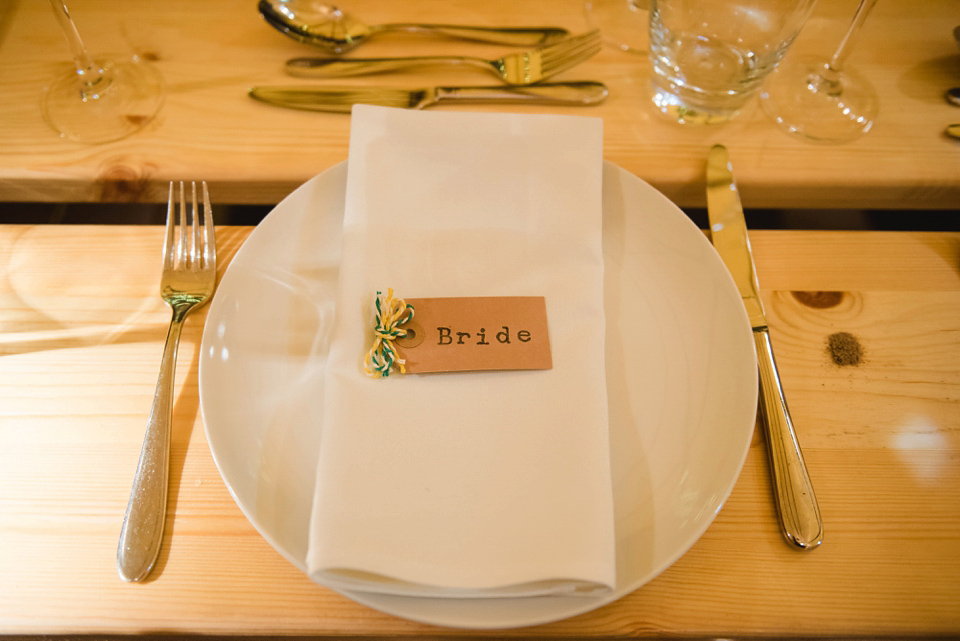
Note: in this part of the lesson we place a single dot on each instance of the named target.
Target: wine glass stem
(828, 80)
(87, 70)
(846, 45)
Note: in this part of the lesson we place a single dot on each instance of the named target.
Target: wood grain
(82, 335)
(211, 52)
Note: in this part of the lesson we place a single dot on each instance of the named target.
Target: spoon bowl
(953, 96)
(332, 29)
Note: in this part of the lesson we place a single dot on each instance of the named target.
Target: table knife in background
(796, 502)
(341, 99)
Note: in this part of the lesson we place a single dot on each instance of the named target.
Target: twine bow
(391, 313)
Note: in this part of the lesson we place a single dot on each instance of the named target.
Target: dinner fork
(188, 280)
(521, 68)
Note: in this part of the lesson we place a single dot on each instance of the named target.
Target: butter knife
(797, 506)
(341, 99)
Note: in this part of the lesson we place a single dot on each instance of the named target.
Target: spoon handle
(516, 36)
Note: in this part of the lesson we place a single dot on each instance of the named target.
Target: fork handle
(312, 67)
(143, 522)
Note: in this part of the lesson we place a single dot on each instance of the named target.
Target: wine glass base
(125, 99)
(623, 24)
(796, 99)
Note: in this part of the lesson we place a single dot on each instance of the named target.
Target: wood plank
(856, 261)
(78, 362)
(253, 153)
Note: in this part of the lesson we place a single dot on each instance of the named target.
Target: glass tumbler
(709, 57)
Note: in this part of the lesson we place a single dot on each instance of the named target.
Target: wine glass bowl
(100, 100)
(820, 99)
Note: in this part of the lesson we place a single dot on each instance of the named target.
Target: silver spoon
(953, 96)
(326, 26)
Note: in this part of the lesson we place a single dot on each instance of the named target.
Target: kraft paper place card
(476, 333)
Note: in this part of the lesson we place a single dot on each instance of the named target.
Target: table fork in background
(522, 68)
(188, 280)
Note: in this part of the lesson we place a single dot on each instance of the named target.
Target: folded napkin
(483, 483)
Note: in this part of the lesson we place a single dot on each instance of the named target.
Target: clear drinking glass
(709, 57)
(100, 100)
(820, 99)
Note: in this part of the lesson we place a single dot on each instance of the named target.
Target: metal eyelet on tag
(414, 336)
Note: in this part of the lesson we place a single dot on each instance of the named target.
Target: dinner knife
(341, 99)
(797, 506)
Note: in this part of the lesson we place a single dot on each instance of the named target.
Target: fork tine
(585, 47)
(556, 65)
(587, 36)
(194, 228)
(209, 235)
(182, 238)
(168, 245)
(582, 48)
(571, 43)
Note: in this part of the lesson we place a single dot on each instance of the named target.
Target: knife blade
(797, 506)
(340, 99)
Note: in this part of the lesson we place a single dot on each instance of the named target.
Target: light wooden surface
(210, 52)
(82, 332)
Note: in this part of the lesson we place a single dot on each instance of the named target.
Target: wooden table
(82, 332)
(211, 52)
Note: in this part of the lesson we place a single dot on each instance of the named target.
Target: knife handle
(796, 502)
(583, 92)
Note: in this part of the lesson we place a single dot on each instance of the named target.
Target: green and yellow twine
(391, 313)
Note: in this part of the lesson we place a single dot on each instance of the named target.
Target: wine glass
(819, 99)
(101, 100)
(622, 23)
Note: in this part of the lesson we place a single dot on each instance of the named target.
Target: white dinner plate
(681, 376)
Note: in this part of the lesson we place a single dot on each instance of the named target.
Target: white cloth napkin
(483, 483)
